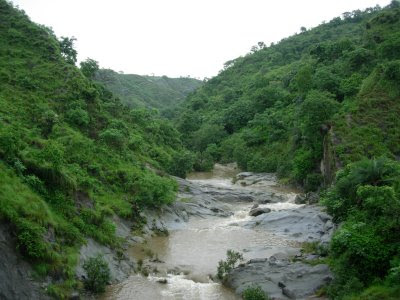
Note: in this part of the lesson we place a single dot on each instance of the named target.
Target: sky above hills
(179, 37)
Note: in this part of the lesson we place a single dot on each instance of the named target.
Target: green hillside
(329, 94)
(162, 93)
(71, 155)
(321, 108)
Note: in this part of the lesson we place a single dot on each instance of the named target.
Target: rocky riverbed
(180, 247)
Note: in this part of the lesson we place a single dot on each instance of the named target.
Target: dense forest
(79, 145)
(136, 91)
(322, 101)
(71, 154)
(319, 94)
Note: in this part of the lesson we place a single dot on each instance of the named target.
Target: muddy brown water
(188, 257)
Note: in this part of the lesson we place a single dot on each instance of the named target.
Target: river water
(188, 257)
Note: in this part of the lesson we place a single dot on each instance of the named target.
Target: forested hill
(306, 106)
(322, 109)
(162, 93)
(71, 155)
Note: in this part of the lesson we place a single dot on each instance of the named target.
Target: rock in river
(258, 211)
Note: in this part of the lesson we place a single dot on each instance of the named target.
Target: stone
(259, 211)
(300, 199)
(162, 281)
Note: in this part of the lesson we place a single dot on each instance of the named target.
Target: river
(181, 264)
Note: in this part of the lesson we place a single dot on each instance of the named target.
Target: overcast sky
(179, 37)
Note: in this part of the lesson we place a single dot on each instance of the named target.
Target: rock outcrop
(16, 280)
(280, 278)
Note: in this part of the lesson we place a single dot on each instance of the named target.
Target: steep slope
(71, 155)
(162, 93)
(307, 105)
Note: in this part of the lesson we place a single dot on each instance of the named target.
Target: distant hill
(147, 91)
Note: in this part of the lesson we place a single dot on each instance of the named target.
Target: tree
(67, 49)
(89, 67)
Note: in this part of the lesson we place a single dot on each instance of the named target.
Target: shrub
(254, 293)
(113, 137)
(313, 182)
(30, 239)
(98, 274)
(224, 267)
(78, 117)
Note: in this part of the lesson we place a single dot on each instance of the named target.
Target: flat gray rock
(280, 278)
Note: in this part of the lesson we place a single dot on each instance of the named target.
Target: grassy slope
(148, 91)
(71, 154)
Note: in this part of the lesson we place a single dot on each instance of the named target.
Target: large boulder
(280, 278)
(258, 211)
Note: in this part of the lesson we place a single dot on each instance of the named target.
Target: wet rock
(312, 198)
(281, 279)
(328, 225)
(288, 293)
(120, 269)
(254, 206)
(300, 199)
(259, 211)
(74, 296)
(162, 281)
(301, 224)
(15, 274)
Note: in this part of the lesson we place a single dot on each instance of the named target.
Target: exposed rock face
(15, 274)
(120, 269)
(280, 278)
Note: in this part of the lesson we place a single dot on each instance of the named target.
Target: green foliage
(328, 92)
(357, 182)
(254, 293)
(89, 67)
(67, 49)
(364, 249)
(98, 274)
(225, 266)
(71, 155)
(137, 91)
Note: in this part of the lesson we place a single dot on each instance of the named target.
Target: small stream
(188, 257)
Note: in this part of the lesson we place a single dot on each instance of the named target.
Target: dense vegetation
(71, 155)
(323, 101)
(162, 93)
(365, 250)
(316, 96)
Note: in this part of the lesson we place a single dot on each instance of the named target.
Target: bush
(113, 137)
(313, 182)
(254, 293)
(98, 274)
(78, 117)
(224, 267)
(30, 239)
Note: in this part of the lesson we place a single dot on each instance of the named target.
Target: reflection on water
(218, 172)
(196, 249)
